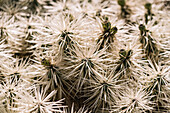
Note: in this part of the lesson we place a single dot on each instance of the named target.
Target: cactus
(84, 56)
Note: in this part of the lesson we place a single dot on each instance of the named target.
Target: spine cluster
(84, 56)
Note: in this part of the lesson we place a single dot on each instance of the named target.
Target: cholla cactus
(107, 36)
(105, 56)
(84, 64)
(81, 110)
(125, 11)
(157, 83)
(9, 92)
(133, 101)
(102, 93)
(38, 102)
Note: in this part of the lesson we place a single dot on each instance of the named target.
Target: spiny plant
(133, 101)
(107, 36)
(66, 41)
(72, 110)
(84, 62)
(27, 49)
(101, 94)
(156, 85)
(14, 71)
(148, 43)
(15, 77)
(9, 91)
(84, 56)
(148, 15)
(12, 10)
(125, 11)
(3, 35)
(55, 79)
(126, 66)
(5, 26)
(124, 62)
(34, 6)
(39, 102)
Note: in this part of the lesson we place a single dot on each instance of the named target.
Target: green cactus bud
(29, 27)
(121, 2)
(148, 6)
(141, 27)
(106, 25)
(45, 62)
(114, 30)
(122, 53)
(89, 1)
(105, 18)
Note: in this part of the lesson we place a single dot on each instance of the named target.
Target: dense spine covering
(84, 56)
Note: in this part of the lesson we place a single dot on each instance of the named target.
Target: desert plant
(105, 56)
